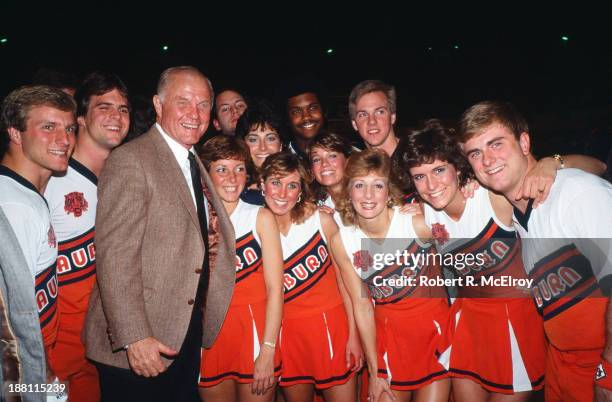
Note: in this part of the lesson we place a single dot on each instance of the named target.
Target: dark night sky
(563, 87)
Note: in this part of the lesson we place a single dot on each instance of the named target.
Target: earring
(389, 203)
(299, 198)
(263, 192)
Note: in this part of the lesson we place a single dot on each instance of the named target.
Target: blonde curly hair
(362, 164)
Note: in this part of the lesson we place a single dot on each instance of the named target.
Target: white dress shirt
(182, 157)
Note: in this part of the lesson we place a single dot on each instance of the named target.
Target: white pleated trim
(329, 342)
(256, 345)
(444, 358)
(389, 374)
(438, 328)
(520, 379)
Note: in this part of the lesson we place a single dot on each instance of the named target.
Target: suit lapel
(225, 223)
(171, 169)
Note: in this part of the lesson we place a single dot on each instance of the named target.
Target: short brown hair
(360, 164)
(331, 142)
(483, 114)
(224, 147)
(424, 146)
(17, 105)
(369, 86)
(283, 164)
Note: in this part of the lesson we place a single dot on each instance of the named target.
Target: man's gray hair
(166, 77)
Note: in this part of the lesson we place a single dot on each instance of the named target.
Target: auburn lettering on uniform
(561, 280)
(248, 254)
(305, 267)
(46, 296)
(76, 258)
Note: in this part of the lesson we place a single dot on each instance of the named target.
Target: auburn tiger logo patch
(439, 232)
(75, 203)
(362, 260)
(51, 239)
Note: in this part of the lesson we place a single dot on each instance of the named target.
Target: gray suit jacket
(22, 356)
(149, 254)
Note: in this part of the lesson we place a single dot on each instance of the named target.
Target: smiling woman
(369, 213)
(328, 153)
(227, 369)
(477, 225)
(226, 160)
(320, 349)
(261, 128)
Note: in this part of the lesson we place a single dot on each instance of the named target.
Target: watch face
(600, 373)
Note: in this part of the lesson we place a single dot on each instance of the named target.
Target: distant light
(456, 47)
(3, 40)
(165, 47)
(329, 51)
(430, 48)
(564, 38)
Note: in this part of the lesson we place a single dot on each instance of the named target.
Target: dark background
(441, 60)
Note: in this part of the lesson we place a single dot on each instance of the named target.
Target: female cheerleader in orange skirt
(402, 329)
(319, 343)
(244, 361)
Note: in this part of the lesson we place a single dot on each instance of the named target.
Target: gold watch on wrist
(559, 159)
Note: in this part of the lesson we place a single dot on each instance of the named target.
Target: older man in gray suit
(22, 356)
(165, 256)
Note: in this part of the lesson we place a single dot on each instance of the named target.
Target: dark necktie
(199, 197)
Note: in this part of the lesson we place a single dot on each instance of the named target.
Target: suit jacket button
(190, 302)
(198, 270)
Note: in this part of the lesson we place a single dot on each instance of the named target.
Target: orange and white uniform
(410, 318)
(233, 354)
(73, 200)
(567, 250)
(315, 328)
(28, 214)
(496, 336)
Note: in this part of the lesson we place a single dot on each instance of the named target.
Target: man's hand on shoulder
(144, 356)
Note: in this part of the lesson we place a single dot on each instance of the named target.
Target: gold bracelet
(269, 344)
(559, 159)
